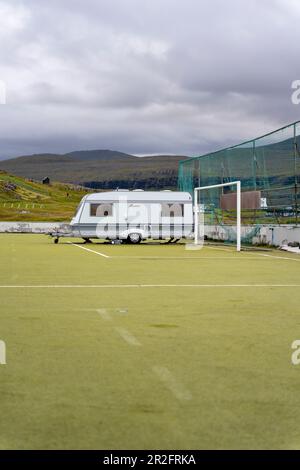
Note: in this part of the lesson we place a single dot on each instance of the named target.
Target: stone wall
(30, 227)
(275, 235)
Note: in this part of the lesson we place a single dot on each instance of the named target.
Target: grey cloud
(171, 76)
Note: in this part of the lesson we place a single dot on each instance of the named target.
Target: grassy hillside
(25, 200)
(102, 169)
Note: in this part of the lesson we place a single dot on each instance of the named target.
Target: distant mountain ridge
(100, 169)
(97, 154)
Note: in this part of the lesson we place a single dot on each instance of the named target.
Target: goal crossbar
(238, 208)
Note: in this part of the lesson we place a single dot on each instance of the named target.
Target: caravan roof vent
(121, 190)
(135, 190)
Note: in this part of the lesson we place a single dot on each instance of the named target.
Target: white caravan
(133, 216)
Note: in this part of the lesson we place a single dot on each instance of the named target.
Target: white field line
(279, 257)
(88, 249)
(104, 314)
(256, 254)
(2, 352)
(229, 248)
(128, 337)
(163, 373)
(178, 390)
(125, 334)
(211, 258)
(137, 286)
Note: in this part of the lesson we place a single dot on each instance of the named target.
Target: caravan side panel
(120, 215)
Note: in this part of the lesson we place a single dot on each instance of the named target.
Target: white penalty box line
(141, 286)
(88, 249)
(210, 258)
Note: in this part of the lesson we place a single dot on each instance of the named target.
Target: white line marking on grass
(88, 249)
(137, 286)
(279, 257)
(218, 285)
(211, 258)
(256, 254)
(232, 249)
(128, 337)
(104, 314)
(229, 248)
(178, 390)
(2, 352)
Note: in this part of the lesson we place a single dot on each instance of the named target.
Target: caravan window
(172, 210)
(101, 210)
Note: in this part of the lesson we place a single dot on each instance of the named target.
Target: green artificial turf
(147, 367)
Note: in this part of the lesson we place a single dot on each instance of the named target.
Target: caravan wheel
(134, 238)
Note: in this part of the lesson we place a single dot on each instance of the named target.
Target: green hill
(101, 169)
(26, 200)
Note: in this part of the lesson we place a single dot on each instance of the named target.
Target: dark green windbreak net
(269, 164)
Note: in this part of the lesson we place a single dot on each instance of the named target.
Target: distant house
(46, 180)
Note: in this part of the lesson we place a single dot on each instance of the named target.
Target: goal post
(197, 202)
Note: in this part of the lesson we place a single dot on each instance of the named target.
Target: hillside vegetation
(101, 169)
(26, 200)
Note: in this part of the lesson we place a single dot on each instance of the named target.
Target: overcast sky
(157, 76)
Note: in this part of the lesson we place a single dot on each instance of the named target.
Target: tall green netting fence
(269, 164)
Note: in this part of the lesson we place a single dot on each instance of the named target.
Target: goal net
(217, 212)
(269, 164)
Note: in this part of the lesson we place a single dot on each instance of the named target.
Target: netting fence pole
(196, 215)
(238, 215)
(295, 176)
